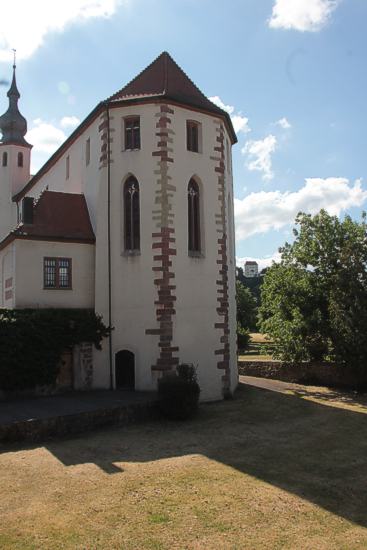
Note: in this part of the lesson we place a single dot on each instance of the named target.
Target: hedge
(32, 341)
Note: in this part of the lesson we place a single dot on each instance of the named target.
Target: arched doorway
(125, 370)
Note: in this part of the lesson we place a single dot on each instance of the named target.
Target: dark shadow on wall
(314, 451)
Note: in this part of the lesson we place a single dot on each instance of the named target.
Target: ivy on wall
(32, 341)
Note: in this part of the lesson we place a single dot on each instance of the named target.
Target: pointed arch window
(193, 198)
(20, 160)
(131, 215)
(5, 158)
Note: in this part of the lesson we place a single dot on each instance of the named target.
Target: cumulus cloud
(240, 123)
(301, 15)
(264, 211)
(45, 137)
(259, 155)
(284, 123)
(266, 261)
(24, 25)
(69, 122)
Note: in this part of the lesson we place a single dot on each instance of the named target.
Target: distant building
(251, 269)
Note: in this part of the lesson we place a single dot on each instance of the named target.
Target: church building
(132, 217)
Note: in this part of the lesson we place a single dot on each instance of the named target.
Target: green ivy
(32, 341)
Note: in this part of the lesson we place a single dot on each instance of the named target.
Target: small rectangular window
(132, 133)
(192, 136)
(87, 152)
(57, 273)
(67, 167)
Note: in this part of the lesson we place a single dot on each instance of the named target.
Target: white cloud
(301, 15)
(259, 155)
(45, 137)
(262, 262)
(264, 211)
(24, 25)
(240, 123)
(284, 123)
(69, 122)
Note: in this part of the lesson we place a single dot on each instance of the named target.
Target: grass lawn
(255, 351)
(263, 471)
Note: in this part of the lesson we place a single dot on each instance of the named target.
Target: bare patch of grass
(263, 471)
(259, 338)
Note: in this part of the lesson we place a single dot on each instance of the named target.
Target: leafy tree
(246, 307)
(314, 303)
(252, 283)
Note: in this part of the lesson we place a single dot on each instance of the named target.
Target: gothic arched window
(193, 198)
(20, 160)
(131, 214)
(5, 159)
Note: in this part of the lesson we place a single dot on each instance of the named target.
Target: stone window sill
(194, 254)
(128, 253)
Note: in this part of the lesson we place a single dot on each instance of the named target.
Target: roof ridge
(113, 96)
(191, 81)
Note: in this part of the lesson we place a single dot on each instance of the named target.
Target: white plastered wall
(7, 276)
(83, 177)
(133, 291)
(29, 290)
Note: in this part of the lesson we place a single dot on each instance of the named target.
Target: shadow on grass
(314, 451)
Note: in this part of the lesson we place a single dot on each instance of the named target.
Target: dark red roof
(163, 78)
(59, 216)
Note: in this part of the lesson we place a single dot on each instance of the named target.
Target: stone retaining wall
(41, 429)
(322, 374)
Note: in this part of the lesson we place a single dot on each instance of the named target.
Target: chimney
(27, 210)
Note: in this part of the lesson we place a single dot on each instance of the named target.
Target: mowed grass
(262, 471)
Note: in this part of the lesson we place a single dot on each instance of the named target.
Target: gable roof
(163, 78)
(57, 217)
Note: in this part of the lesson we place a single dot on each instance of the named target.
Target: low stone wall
(318, 374)
(42, 429)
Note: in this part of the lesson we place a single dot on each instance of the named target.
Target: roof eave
(114, 104)
(60, 151)
(162, 97)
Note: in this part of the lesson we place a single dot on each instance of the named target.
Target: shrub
(178, 393)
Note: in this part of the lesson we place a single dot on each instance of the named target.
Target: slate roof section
(164, 79)
(59, 216)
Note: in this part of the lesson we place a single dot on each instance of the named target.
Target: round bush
(178, 394)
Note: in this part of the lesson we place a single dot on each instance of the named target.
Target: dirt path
(336, 398)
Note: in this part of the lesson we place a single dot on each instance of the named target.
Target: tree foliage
(32, 341)
(246, 307)
(314, 303)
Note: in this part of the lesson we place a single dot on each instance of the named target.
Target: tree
(246, 307)
(314, 303)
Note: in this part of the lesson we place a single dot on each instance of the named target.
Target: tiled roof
(59, 216)
(163, 78)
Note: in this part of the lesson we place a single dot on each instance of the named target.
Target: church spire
(12, 124)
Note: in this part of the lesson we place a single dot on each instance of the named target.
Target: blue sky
(292, 73)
